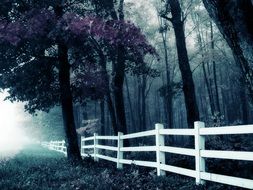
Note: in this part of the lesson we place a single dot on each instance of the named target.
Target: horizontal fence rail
(199, 152)
(138, 135)
(58, 146)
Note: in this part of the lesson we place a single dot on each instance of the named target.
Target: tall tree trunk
(165, 114)
(119, 81)
(130, 106)
(138, 105)
(143, 102)
(184, 66)
(67, 104)
(209, 91)
(102, 63)
(118, 90)
(119, 66)
(244, 102)
(157, 107)
(77, 115)
(84, 111)
(95, 109)
(112, 113)
(102, 118)
(216, 96)
(106, 9)
(168, 91)
(234, 20)
(206, 72)
(73, 151)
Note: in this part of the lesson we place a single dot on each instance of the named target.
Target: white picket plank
(229, 130)
(188, 132)
(234, 155)
(139, 134)
(160, 156)
(107, 137)
(138, 149)
(178, 150)
(120, 154)
(178, 170)
(138, 163)
(88, 146)
(107, 147)
(229, 180)
(88, 138)
(199, 134)
(199, 143)
(106, 158)
(87, 155)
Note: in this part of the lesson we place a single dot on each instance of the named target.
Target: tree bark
(209, 91)
(130, 106)
(168, 97)
(143, 102)
(184, 66)
(244, 104)
(84, 111)
(102, 63)
(234, 20)
(119, 81)
(118, 90)
(207, 81)
(216, 91)
(73, 151)
(102, 119)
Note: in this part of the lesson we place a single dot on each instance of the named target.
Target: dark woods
(117, 66)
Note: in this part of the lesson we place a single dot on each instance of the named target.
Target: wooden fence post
(51, 145)
(61, 146)
(160, 156)
(64, 147)
(95, 148)
(119, 153)
(82, 145)
(199, 145)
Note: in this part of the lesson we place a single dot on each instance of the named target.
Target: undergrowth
(37, 168)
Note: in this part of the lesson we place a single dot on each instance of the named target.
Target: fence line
(56, 145)
(199, 132)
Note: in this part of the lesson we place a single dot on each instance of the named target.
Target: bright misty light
(12, 138)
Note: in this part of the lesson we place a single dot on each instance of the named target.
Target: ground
(37, 168)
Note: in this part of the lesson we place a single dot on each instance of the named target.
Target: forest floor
(37, 168)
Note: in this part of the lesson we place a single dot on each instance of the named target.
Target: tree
(183, 60)
(107, 9)
(52, 51)
(122, 56)
(166, 90)
(234, 20)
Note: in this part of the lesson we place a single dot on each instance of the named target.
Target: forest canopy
(128, 64)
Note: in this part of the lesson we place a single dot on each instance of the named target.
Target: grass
(37, 168)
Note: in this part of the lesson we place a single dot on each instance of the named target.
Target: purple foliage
(79, 26)
(39, 23)
(91, 79)
(114, 32)
(73, 29)
(43, 23)
(35, 24)
(11, 32)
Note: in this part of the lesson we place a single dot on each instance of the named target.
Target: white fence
(56, 145)
(199, 132)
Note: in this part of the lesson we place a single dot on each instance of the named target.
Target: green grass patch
(37, 168)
